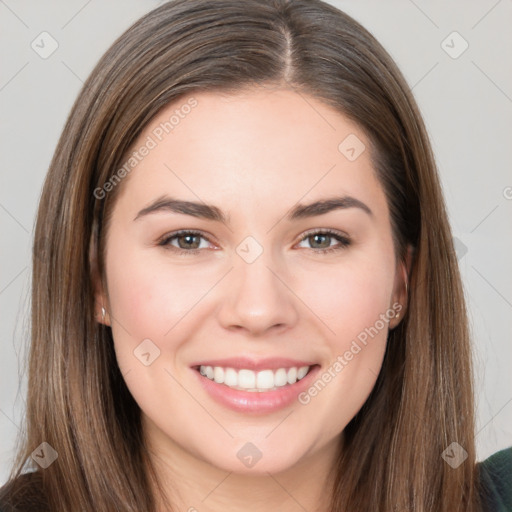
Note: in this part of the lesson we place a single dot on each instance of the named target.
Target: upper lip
(254, 364)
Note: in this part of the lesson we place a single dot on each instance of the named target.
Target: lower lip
(258, 402)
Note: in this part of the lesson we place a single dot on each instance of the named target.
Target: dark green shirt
(496, 481)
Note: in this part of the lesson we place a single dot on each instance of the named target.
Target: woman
(206, 338)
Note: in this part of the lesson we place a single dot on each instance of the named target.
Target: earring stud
(103, 313)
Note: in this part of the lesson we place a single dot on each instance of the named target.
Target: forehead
(252, 146)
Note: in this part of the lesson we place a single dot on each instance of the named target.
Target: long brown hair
(390, 458)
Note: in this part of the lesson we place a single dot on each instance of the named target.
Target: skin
(255, 155)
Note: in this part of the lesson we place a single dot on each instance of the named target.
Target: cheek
(348, 297)
(353, 301)
(149, 297)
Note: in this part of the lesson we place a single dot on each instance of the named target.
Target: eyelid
(328, 231)
(344, 240)
(163, 240)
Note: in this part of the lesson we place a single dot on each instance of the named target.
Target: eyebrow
(211, 212)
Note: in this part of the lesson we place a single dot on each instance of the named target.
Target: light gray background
(466, 103)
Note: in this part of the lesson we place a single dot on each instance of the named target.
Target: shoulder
(23, 494)
(496, 481)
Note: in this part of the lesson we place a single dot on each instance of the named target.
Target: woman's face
(290, 267)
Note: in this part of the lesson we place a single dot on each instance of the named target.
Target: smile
(254, 381)
(251, 386)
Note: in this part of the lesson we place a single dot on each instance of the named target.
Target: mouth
(255, 386)
(254, 381)
(259, 391)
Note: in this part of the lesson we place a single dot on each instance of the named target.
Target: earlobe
(101, 313)
(103, 317)
(100, 302)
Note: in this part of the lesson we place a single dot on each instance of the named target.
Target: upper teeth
(249, 380)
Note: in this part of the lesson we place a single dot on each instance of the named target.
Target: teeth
(246, 379)
(292, 375)
(249, 380)
(264, 379)
(301, 372)
(230, 377)
(218, 375)
(281, 377)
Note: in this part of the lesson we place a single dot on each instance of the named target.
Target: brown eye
(188, 241)
(322, 241)
(185, 241)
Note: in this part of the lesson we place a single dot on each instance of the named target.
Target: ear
(401, 288)
(101, 305)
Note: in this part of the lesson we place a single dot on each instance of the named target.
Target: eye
(320, 240)
(184, 241)
(191, 241)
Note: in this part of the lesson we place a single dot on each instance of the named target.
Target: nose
(257, 298)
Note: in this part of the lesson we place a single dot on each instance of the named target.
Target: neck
(194, 485)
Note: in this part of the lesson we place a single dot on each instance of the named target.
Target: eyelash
(343, 240)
